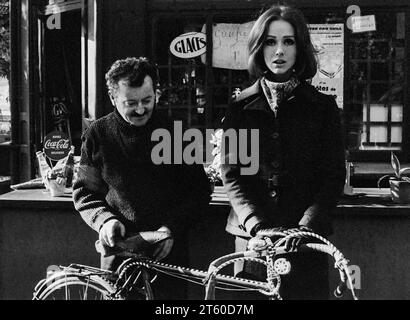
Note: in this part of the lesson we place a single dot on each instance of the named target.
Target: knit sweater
(117, 179)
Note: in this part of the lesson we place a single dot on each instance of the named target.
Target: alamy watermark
(238, 147)
(54, 22)
(354, 10)
(356, 277)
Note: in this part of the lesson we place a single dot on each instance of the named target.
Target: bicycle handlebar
(340, 263)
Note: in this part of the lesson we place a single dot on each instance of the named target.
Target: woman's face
(279, 50)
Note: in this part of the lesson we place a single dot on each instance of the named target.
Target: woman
(301, 154)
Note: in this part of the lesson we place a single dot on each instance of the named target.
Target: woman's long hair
(306, 64)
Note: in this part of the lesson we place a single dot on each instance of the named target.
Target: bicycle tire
(73, 286)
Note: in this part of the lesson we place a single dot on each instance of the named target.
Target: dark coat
(302, 149)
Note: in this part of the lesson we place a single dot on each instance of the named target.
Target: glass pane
(358, 50)
(396, 113)
(380, 71)
(221, 76)
(221, 96)
(399, 53)
(378, 112)
(240, 78)
(358, 71)
(379, 92)
(400, 25)
(396, 134)
(357, 93)
(379, 50)
(398, 71)
(5, 115)
(364, 136)
(378, 134)
(385, 93)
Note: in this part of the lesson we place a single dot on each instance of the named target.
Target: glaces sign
(189, 45)
(57, 145)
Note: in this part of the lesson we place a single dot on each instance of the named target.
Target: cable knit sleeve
(89, 189)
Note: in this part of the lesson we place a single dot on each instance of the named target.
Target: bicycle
(135, 275)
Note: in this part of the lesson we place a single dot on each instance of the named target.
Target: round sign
(57, 145)
(189, 45)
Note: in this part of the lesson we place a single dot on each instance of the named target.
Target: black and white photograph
(211, 155)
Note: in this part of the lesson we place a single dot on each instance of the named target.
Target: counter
(37, 230)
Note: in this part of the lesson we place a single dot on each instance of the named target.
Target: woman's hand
(164, 247)
(257, 243)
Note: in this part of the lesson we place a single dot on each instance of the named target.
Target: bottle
(43, 167)
(69, 168)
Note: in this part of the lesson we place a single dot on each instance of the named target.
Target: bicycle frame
(211, 279)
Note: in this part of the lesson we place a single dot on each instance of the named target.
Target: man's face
(135, 104)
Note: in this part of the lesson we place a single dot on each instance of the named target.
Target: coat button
(275, 135)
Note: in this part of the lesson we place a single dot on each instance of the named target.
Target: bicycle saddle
(140, 243)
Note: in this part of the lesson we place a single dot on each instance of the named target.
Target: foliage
(397, 170)
(213, 171)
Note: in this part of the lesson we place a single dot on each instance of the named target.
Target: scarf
(276, 92)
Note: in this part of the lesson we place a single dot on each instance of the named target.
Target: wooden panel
(33, 239)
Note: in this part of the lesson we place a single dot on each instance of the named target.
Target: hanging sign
(230, 45)
(363, 23)
(328, 40)
(57, 145)
(189, 45)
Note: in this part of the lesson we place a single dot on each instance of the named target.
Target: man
(119, 190)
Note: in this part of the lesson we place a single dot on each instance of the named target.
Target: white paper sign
(230, 45)
(363, 23)
(328, 40)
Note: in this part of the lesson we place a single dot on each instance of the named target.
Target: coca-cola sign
(57, 145)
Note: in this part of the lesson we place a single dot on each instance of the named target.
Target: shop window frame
(338, 15)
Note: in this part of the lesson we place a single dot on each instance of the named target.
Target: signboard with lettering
(189, 45)
(57, 145)
(328, 40)
(230, 45)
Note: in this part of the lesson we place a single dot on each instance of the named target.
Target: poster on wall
(328, 39)
(230, 45)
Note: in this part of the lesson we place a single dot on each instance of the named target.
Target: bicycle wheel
(73, 286)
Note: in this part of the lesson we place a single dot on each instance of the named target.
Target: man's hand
(111, 231)
(163, 248)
